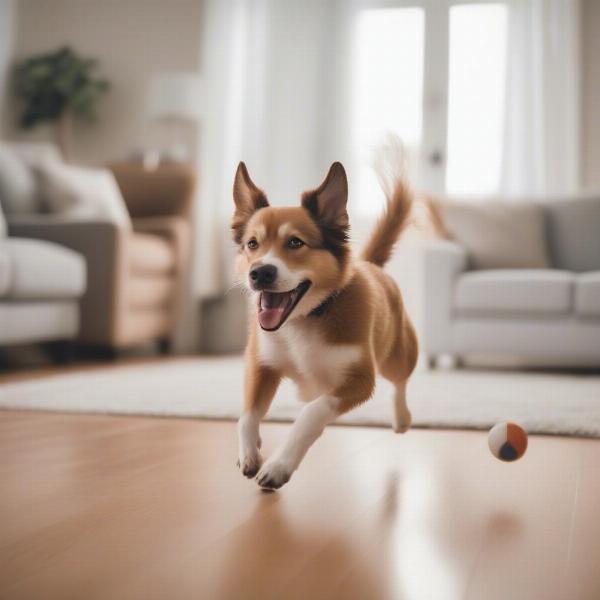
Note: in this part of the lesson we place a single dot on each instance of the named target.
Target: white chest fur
(302, 355)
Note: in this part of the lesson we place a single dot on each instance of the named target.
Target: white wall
(7, 28)
(133, 40)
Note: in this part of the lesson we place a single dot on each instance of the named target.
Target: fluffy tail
(389, 165)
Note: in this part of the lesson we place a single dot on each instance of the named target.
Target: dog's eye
(252, 244)
(295, 242)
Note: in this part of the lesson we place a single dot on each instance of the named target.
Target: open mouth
(275, 307)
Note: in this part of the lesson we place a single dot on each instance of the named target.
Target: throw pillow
(18, 189)
(33, 153)
(573, 229)
(498, 235)
(80, 193)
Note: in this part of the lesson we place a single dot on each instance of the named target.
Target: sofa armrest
(86, 237)
(165, 191)
(443, 262)
(103, 245)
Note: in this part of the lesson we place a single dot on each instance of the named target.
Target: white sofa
(40, 287)
(547, 316)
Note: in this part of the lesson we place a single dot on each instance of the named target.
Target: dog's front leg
(311, 422)
(309, 425)
(261, 385)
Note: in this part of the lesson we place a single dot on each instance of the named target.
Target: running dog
(326, 321)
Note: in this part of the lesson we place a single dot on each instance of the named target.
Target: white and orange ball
(507, 441)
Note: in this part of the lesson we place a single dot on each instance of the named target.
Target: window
(476, 98)
(387, 90)
(435, 75)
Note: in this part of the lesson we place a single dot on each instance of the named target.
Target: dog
(318, 317)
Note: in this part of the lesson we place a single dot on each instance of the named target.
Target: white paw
(273, 474)
(402, 422)
(249, 463)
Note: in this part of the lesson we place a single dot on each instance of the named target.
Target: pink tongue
(272, 308)
(270, 317)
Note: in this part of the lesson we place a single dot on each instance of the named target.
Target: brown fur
(381, 244)
(248, 199)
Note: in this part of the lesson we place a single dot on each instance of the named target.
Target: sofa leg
(459, 361)
(165, 346)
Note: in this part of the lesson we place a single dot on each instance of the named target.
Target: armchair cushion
(502, 292)
(151, 254)
(39, 270)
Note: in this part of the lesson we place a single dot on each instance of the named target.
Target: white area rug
(212, 388)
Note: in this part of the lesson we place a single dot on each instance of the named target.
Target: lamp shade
(175, 95)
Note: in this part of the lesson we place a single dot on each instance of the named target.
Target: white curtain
(272, 88)
(541, 153)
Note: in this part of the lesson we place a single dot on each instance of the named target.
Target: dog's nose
(263, 276)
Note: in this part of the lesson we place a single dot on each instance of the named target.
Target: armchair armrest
(165, 191)
(102, 244)
(165, 226)
(443, 261)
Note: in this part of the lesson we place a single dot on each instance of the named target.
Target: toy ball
(507, 441)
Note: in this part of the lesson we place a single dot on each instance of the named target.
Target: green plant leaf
(49, 84)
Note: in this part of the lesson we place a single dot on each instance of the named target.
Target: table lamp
(175, 100)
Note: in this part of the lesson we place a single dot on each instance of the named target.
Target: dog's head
(291, 258)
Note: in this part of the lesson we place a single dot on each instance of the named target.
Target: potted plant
(55, 86)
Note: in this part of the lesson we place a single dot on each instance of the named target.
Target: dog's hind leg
(397, 368)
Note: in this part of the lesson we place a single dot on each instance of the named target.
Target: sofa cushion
(18, 186)
(529, 291)
(38, 321)
(151, 254)
(498, 235)
(587, 294)
(573, 233)
(39, 270)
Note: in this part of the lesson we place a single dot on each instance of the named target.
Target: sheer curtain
(269, 69)
(541, 148)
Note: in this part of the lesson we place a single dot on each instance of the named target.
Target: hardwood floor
(127, 507)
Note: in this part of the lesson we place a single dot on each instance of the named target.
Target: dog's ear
(248, 199)
(327, 204)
